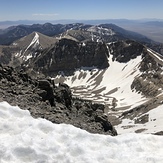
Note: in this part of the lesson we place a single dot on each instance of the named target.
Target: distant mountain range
(152, 28)
(26, 41)
(15, 32)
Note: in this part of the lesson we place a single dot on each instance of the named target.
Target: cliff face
(68, 55)
(124, 51)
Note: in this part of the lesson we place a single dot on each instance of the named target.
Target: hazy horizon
(84, 10)
(118, 19)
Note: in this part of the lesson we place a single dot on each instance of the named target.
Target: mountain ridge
(13, 33)
(100, 65)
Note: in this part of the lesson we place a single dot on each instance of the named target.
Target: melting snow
(156, 55)
(14, 44)
(153, 125)
(28, 140)
(118, 77)
(33, 43)
(101, 30)
(112, 86)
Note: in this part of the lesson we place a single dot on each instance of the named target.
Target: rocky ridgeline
(67, 55)
(55, 103)
(124, 51)
(150, 80)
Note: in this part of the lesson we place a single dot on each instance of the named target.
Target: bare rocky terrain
(55, 103)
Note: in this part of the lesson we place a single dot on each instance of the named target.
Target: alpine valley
(101, 78)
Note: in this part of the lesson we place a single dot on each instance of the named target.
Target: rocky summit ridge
(55, 103)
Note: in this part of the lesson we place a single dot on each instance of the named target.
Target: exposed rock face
(55, 103)
(158, 47)
(21, 51)
(124, 51)
(5, 55)
(150, 81)
(67, 55)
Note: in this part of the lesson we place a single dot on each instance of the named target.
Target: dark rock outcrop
(124, 51)
(150, 82)
(67, 55)
(55, 103)
(159, 133)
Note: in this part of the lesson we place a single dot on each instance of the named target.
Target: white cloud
(40, 14)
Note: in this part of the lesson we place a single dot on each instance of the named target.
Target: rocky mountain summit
(46, 100)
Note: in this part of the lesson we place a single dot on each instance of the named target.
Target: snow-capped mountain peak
(34, 42)
(30, 46)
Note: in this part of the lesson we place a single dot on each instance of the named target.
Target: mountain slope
(35, 37)
(98, 64)
(66, 143)
(102, 32)
(100, 84)
(14, 33)
(29, 45)
(46, 100)
(129, 89)
(25, 48)
(67, 55)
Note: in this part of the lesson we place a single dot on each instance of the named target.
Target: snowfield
(25, 139)
(112, 82)
(112, 87)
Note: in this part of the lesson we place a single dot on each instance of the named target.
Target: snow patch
(112, 82)
(101, 30)
(34, 43)
(25, 139)
(153, 125)
(15, 44)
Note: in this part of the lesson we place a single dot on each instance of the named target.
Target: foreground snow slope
(25, 139)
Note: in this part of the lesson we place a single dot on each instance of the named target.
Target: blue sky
(83, 9)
